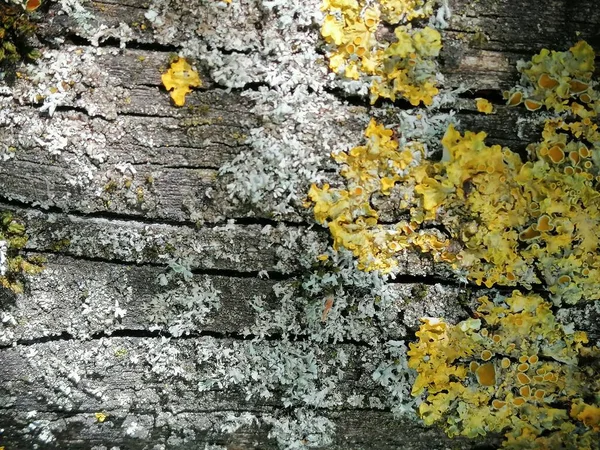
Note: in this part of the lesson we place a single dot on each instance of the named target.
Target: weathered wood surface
(118, 182)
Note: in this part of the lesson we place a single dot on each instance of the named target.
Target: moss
(15, 32)
(14, 265)
(60, 245)
(111, 186)
(418, 292)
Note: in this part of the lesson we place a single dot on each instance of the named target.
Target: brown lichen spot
(538, 378)
(543, 223)
(523, 367)
(486, 374)
(533, 359)
(498, 404)
(585, 98)
(525, 391)
(588, 165)
(505, 363)
(556, 154)
(523, 379)
(547, 82)
(518, 401)
(540, 394)
(577, 87)
(496, 338)
(515, 99)
(510, 276)
(486, 355)
(529, 234)
(523, 358)
(484, 332)
(532, 105)
(569, 170)
(473, 365)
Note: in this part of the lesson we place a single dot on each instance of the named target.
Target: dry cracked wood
(126, 177)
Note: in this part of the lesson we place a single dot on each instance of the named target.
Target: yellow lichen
(514, 368)
(559, 81)
(403, 68)
(507, 221)
(484, 106)
(179, 78)
(369, 169)
(497, 396)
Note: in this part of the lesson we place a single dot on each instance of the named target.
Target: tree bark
(118, 182)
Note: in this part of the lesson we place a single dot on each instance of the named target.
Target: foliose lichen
(513, 369)
(506, 221)
(402, 67)
(496, 220)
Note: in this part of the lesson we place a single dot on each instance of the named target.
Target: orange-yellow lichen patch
(544, 223)
(540, 394)
(498, 403)
(553, 207)
(178, 79)
(486, 374)
(525, 391)
(532, 105)
(555, 80)
(402, 68)
(588, 414)
(484, 106)
(523, 379)
(547, 82)
(481, 400)
(486, 355)
(556, 154)
(515, 98)
(32, 5)
(519, 401)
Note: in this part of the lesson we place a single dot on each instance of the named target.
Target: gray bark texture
(108, 347)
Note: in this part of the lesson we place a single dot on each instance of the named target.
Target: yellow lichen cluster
(484, 106)
(560, 81)
(507, 222)
(370, 169)
(179, 78)
(515, 370)
(402, 68)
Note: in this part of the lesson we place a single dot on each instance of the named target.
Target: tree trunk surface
(117, 182)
